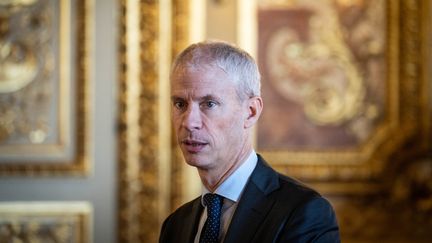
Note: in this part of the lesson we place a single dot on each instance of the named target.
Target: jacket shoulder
(282, 186)
(299, 213)
(295, 187)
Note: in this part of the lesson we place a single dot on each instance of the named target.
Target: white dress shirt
(231, 189)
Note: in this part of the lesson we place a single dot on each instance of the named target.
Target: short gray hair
(237, 63)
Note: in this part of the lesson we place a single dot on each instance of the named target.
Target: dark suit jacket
(273, 208)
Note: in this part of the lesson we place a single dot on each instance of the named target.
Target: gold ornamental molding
(144, 123)
(39, 221)
(180, 37)
(405, 127)
(44, 87)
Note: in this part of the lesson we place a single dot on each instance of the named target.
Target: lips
(193, 146)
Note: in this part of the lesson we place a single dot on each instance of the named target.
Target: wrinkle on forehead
(206, 73)
(201, 67)
(187, 68)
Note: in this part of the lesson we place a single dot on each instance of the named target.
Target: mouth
(193, 146)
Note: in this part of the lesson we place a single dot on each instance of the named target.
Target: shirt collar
(233, 186)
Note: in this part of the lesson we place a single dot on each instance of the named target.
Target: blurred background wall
(130, 196)
(99, 187)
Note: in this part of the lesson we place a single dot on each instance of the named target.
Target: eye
(179, 104)
(209, 104)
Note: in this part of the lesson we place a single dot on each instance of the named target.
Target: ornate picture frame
(46, 221)
(44, 90)
(375, 181)
(404, 100)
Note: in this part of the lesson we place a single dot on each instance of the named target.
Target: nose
(192, 119)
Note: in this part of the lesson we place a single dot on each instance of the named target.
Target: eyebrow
(175, 98)
(205, 97)
(209, 97)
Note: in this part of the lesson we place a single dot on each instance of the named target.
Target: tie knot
(213, 201)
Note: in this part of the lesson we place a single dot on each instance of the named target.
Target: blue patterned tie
(210, 231)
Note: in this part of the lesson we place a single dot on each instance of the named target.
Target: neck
(213, 178)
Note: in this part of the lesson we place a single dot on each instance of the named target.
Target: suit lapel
(191, 222)
(254, 204)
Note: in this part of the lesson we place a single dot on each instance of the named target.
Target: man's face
(208, 118)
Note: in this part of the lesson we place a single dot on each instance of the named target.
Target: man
(215, 92)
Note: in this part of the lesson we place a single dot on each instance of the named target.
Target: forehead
(202, 79)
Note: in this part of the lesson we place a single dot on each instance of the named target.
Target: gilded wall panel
(44, 87)
(45, 222)
(326, 87)
(346, 88)
(347, 109)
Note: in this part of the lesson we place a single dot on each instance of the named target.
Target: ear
(255, 106)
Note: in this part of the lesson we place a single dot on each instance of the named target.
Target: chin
(193, 162)
(196, 161)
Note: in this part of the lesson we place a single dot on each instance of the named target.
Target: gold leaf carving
(45, 222)
(139, 159)
(37, 75)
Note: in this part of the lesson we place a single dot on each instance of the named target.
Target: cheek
(176, 123)
(225, 126)
(230, 128)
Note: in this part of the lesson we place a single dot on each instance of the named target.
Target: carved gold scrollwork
(180, 33)
(18, 67)
(139, 160)
(45, 222)
(40, 83)
(25, 58)
(24, 35)
(320, 74)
